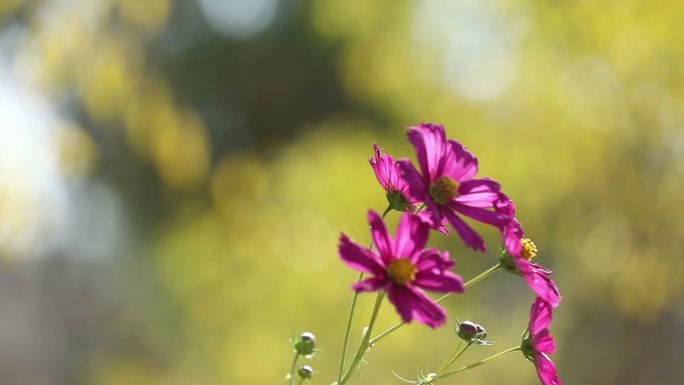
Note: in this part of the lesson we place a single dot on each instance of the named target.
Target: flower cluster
(444, 189)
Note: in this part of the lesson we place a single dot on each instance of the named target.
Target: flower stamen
(529, 249)
(402, 271)
(443, 190)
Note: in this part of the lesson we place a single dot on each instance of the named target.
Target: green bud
(306, 344)
(398, 202)
(305, 372)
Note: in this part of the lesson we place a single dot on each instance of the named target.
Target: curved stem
(476, 364)
(352, 311)
(471, 282)
(365, 342)
(292, 369)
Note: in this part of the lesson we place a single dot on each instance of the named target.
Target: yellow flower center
(443, 190)
(402, 271)
(529, 250)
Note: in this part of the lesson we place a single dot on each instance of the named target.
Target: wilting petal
(546, 370)
(412, 235)
(430, 143)
(540, 316)
(358, 257)
(381, 239)
(462, 164)
(442, 281)
(412, 304)
(469, 236)
(371, 284)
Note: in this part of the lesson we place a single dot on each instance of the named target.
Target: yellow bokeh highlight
(147, 16)
(182, 151)
(110, 77)
(148, 112)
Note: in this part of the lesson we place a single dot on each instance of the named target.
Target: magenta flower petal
(544, 343)
(442, 282)
(359, 258)
(481, 215)
(430, 143)
(539, 281)
(431, 259)
(427, 217)
(414, 304)
(464, 164)
(513, 234)
(546, 370)
(385, 170)
(539, 342)
(541, 315)
(478, 193)
(412, 235)
(469, 236)
(371, 284)
(417, 186)
(381, 239)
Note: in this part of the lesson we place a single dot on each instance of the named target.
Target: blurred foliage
(239, 158)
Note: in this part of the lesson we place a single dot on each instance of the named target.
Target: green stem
(471, 282)
(476, 364)
(453, 359)
(448, 360)
(348, 331)
(365, 342)
(484, 275)
(352, 311)
(292, 369)
(474, 280)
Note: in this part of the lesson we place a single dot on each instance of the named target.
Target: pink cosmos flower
(403, 267)
(539, 343)
(446, 183)
(520, 252)
(397, 190)
(387, 173)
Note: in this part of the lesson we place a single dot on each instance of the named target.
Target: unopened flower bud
(472, 333)
(305, 372)
(468, 330)
(306, 344)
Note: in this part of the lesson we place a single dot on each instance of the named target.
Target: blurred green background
(174, 176)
